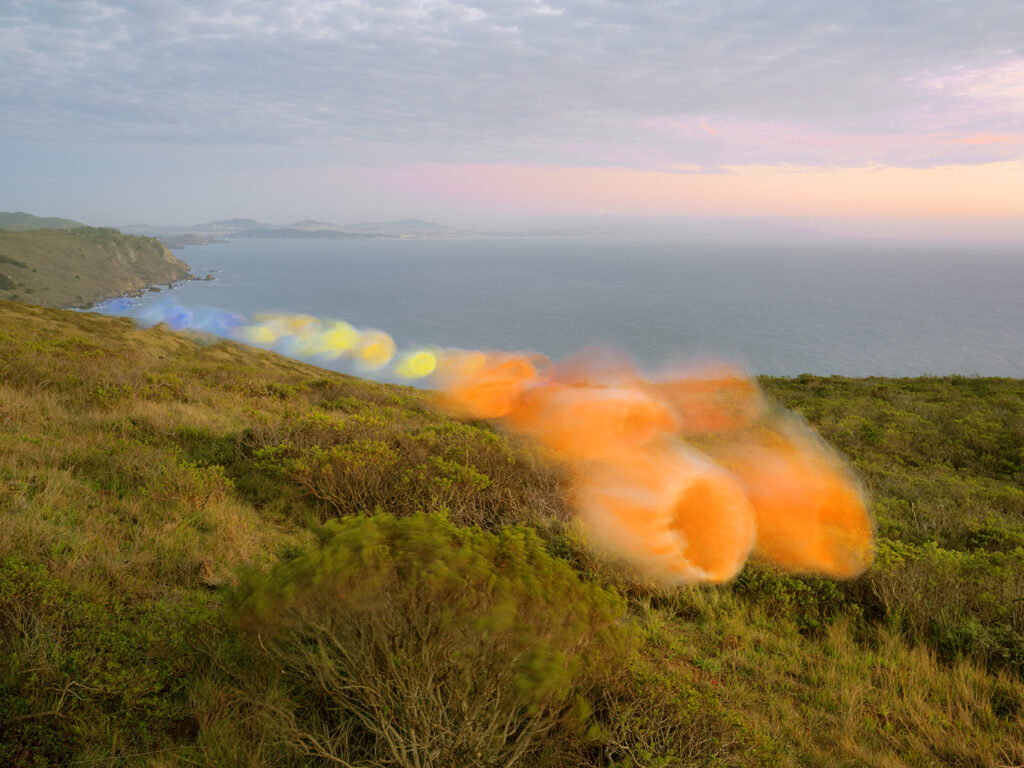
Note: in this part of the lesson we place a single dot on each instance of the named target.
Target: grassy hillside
(78, 267)
(212, 555)
(19, 221)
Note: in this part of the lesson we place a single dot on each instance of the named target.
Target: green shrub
(77, 666)
(5, 259)
(411, 642)
(375, 457)
(961, 603)
(651, 715)
(810, 602)
(188, 483)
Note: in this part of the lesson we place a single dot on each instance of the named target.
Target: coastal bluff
(81, 266)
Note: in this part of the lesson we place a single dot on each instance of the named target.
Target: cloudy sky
(161, 112)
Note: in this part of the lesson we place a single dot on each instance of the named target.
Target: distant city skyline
(908, 119)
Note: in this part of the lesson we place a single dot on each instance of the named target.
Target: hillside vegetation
(213, 555)
(81, 266)
(19, 221)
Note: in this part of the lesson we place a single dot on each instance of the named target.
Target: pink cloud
(987, 138)
(998, 83)
(961, 115)
(740, 142)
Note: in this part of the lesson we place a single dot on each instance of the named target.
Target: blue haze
(824, 308)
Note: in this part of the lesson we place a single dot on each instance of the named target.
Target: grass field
(212, 555)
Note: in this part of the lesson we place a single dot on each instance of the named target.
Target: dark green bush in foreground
(411, 642)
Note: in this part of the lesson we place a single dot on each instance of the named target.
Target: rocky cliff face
(82, 266)
(135, 265)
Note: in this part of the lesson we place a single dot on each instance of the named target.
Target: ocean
(852, 309)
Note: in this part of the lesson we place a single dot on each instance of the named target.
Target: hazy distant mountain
(189, 238)
(19, 221)
(213, 231)
(315, 226)
(299, 233)
(400, 227)
(227, 226)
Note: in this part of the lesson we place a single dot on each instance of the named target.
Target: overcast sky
(157, 111)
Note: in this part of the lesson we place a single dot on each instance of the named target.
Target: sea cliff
(82, 266)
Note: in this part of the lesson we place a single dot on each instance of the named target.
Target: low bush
(81, 667)
(375, 457)
(411, 642)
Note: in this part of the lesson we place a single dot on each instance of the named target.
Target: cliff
(81, 266)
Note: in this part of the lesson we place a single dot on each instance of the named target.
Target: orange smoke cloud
(684, 476)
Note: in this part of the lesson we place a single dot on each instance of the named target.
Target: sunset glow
(490, 118)
(990, 190)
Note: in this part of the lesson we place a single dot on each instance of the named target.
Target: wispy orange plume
(670, 512)
(484, 386)
(711, 399)
(809, 512)
(759, 482)
(590, 423)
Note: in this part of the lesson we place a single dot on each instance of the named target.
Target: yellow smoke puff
(305, 331)
(375, 349)
(416, 365)
(303, 326)
(271, 328)
(458, 362)
(335, 341)
(259, 334)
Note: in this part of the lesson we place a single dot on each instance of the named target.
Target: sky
(908, 115)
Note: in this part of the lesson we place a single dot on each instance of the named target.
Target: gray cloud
(513, 80)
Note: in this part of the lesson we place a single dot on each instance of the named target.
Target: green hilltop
(81, 266)
(19, 221)
(213, 555)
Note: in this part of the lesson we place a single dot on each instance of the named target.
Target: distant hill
(78, 267)
(185, 240)
(19, 221)
(212, 231)
(297, 233)
(400, 227)
(314, 225)
(229, 225)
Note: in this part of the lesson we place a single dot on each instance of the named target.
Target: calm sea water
(824, 308)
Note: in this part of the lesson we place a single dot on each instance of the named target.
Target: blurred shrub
(411, 642)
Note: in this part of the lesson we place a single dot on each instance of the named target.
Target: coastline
(137, 293)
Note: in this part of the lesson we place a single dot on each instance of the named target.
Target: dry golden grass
(141, 472)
